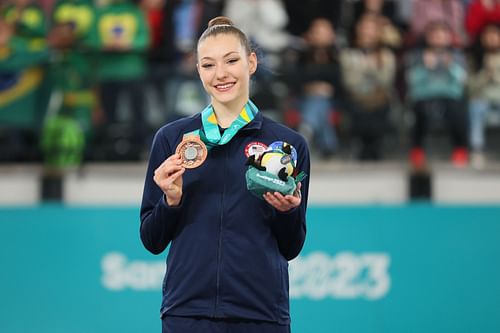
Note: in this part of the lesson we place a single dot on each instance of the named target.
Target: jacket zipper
(219, 250)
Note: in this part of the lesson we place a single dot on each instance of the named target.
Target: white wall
(330, 183)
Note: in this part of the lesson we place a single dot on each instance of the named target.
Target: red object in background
(292, 118)
(417, 158)
(460, 157)
(477, 16)
(155, 21)
(335, 118)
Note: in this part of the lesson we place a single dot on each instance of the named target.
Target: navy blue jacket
(229, 250)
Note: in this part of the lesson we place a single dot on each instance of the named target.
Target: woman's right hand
(168, 176)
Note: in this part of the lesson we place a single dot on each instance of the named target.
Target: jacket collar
(256, 123)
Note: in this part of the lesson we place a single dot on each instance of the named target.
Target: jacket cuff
(289, 215)
(164, 204)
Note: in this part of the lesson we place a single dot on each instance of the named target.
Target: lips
(223, 87)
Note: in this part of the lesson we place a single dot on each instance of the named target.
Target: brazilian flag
(23, 100)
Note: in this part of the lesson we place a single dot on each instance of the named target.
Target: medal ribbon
(210, 133)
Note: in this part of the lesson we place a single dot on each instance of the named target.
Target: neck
(226, 113)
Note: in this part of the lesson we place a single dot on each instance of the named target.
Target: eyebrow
(225, 55)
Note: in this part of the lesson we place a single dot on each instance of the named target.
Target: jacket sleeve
(289, 227)
(158, 220)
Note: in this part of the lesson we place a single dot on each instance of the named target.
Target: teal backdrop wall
(411, 268)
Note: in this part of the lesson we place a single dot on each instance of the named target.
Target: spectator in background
(316, 81)
(120, 38)
(264, 22)
(186, 16)
(368, 71)
(27, 18)
(301, 14)
(484, 88)
(209, 9)
(393, 30)
(155, 14)
(23, 96)
(161, 52)
(479, 13)
(71, 70)
(175, 26)
(404, 12)
(436, 79)
(46, 5)
(387, 10)
(449, 11)
(185, 93)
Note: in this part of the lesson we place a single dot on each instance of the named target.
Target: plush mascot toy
(274, 170)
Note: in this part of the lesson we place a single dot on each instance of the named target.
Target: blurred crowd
(367, 80)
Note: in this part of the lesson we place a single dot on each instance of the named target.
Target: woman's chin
(225, 98)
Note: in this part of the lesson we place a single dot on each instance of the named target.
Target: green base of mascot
(274, 170)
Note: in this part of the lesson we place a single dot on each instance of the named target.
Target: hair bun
(220, 20)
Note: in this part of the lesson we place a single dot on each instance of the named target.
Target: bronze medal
(192, 150)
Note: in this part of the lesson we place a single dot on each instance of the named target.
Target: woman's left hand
(284, 203)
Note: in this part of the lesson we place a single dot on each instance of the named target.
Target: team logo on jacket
(278, 145)
(255, 148)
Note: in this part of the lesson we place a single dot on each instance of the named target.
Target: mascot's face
(278, 160)
(274, 161)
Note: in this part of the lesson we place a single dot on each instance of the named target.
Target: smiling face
(225, 68)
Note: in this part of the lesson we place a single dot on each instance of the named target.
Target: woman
(483, 90)
(227, 262)
(368, 71)
(318, 83)
(424, 12)
(436, 77)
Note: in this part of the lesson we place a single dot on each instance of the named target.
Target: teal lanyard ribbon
(210, 133)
